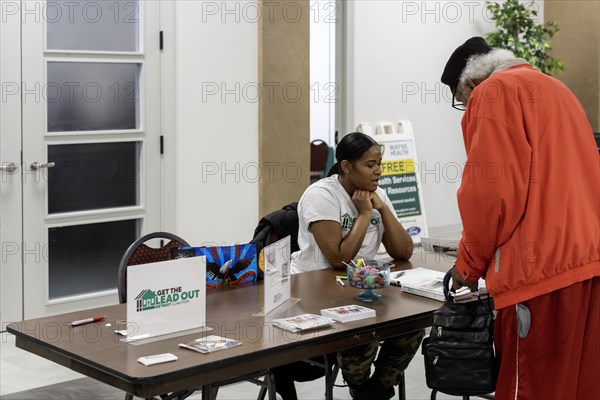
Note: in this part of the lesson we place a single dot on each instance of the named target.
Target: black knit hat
(458, 60)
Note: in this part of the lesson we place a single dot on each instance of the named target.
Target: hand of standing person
(458, 281)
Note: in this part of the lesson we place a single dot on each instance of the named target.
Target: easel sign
(166, 297)
(400, 178)
(277, 277)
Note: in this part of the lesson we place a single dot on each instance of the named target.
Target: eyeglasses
(458, 105)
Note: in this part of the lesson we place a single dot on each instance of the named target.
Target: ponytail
(335, 169)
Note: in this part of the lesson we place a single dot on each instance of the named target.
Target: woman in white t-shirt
(347, 215)
(344, 217)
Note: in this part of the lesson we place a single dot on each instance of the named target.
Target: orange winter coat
(530, 193)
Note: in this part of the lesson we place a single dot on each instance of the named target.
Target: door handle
(10, 168)
(37, 165)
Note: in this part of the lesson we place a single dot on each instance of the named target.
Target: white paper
(429, 283)
(166, 297)
(277, 274)
(303, 322)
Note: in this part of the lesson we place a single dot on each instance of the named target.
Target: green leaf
(518, 31)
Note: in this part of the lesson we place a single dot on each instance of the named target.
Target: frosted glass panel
(93, 176)
(85, 258)
(92, 96)
(105, 25)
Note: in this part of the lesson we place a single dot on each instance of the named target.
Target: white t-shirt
(327, 200)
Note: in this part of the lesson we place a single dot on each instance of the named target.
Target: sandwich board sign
(399, 179)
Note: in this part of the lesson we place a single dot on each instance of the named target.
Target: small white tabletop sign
(277, 276)
(166, 297)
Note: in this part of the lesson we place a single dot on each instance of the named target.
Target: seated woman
(344, 217)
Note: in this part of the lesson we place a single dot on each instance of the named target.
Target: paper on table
(303, 322)
(429, 283)
(347, 313)
(211, 344)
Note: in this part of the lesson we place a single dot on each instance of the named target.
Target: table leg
(209, 392)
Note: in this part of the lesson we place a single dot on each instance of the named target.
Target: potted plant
(518, 31)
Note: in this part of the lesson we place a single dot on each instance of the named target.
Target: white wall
(323, 93)
(215, 108)
(396, 54)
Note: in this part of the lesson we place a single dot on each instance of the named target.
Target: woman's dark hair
(351, 148)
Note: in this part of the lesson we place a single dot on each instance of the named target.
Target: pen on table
(87, 320)
(339, 280)
(397, 275)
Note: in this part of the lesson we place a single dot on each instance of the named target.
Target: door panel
(85, 178)
(95, 249)
(91, 25)
(91, 158)
(11, 271)
(92, 96)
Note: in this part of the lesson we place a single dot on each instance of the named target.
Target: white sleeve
(319, 205)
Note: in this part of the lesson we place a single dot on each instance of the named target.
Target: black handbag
(459, 352)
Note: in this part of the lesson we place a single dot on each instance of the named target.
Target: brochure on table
(277, 277)
(429, 283)
(166, 297)
(303, 322)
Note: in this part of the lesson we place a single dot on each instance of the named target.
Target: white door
(90, 168)
(11, 270)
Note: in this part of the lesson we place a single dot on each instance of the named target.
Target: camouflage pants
(394, 356)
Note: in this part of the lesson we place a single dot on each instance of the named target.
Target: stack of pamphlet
(429, 283)
(348, 313)
(211, 343)
(303, 322)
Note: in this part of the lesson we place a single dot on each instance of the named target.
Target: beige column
(284, 109)
(577, 45)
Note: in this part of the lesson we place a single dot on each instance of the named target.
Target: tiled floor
(21, 371)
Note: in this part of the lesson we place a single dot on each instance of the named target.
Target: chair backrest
(140, 253)
(321, 156)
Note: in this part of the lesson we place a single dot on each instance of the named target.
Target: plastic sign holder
(277, 278)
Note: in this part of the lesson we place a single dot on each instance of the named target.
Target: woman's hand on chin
(362, 201)
(376, 201)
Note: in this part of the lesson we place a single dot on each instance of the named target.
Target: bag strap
(448, 290)
(489, 306)
(446, 283)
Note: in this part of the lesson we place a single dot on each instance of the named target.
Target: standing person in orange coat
(530, 207)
